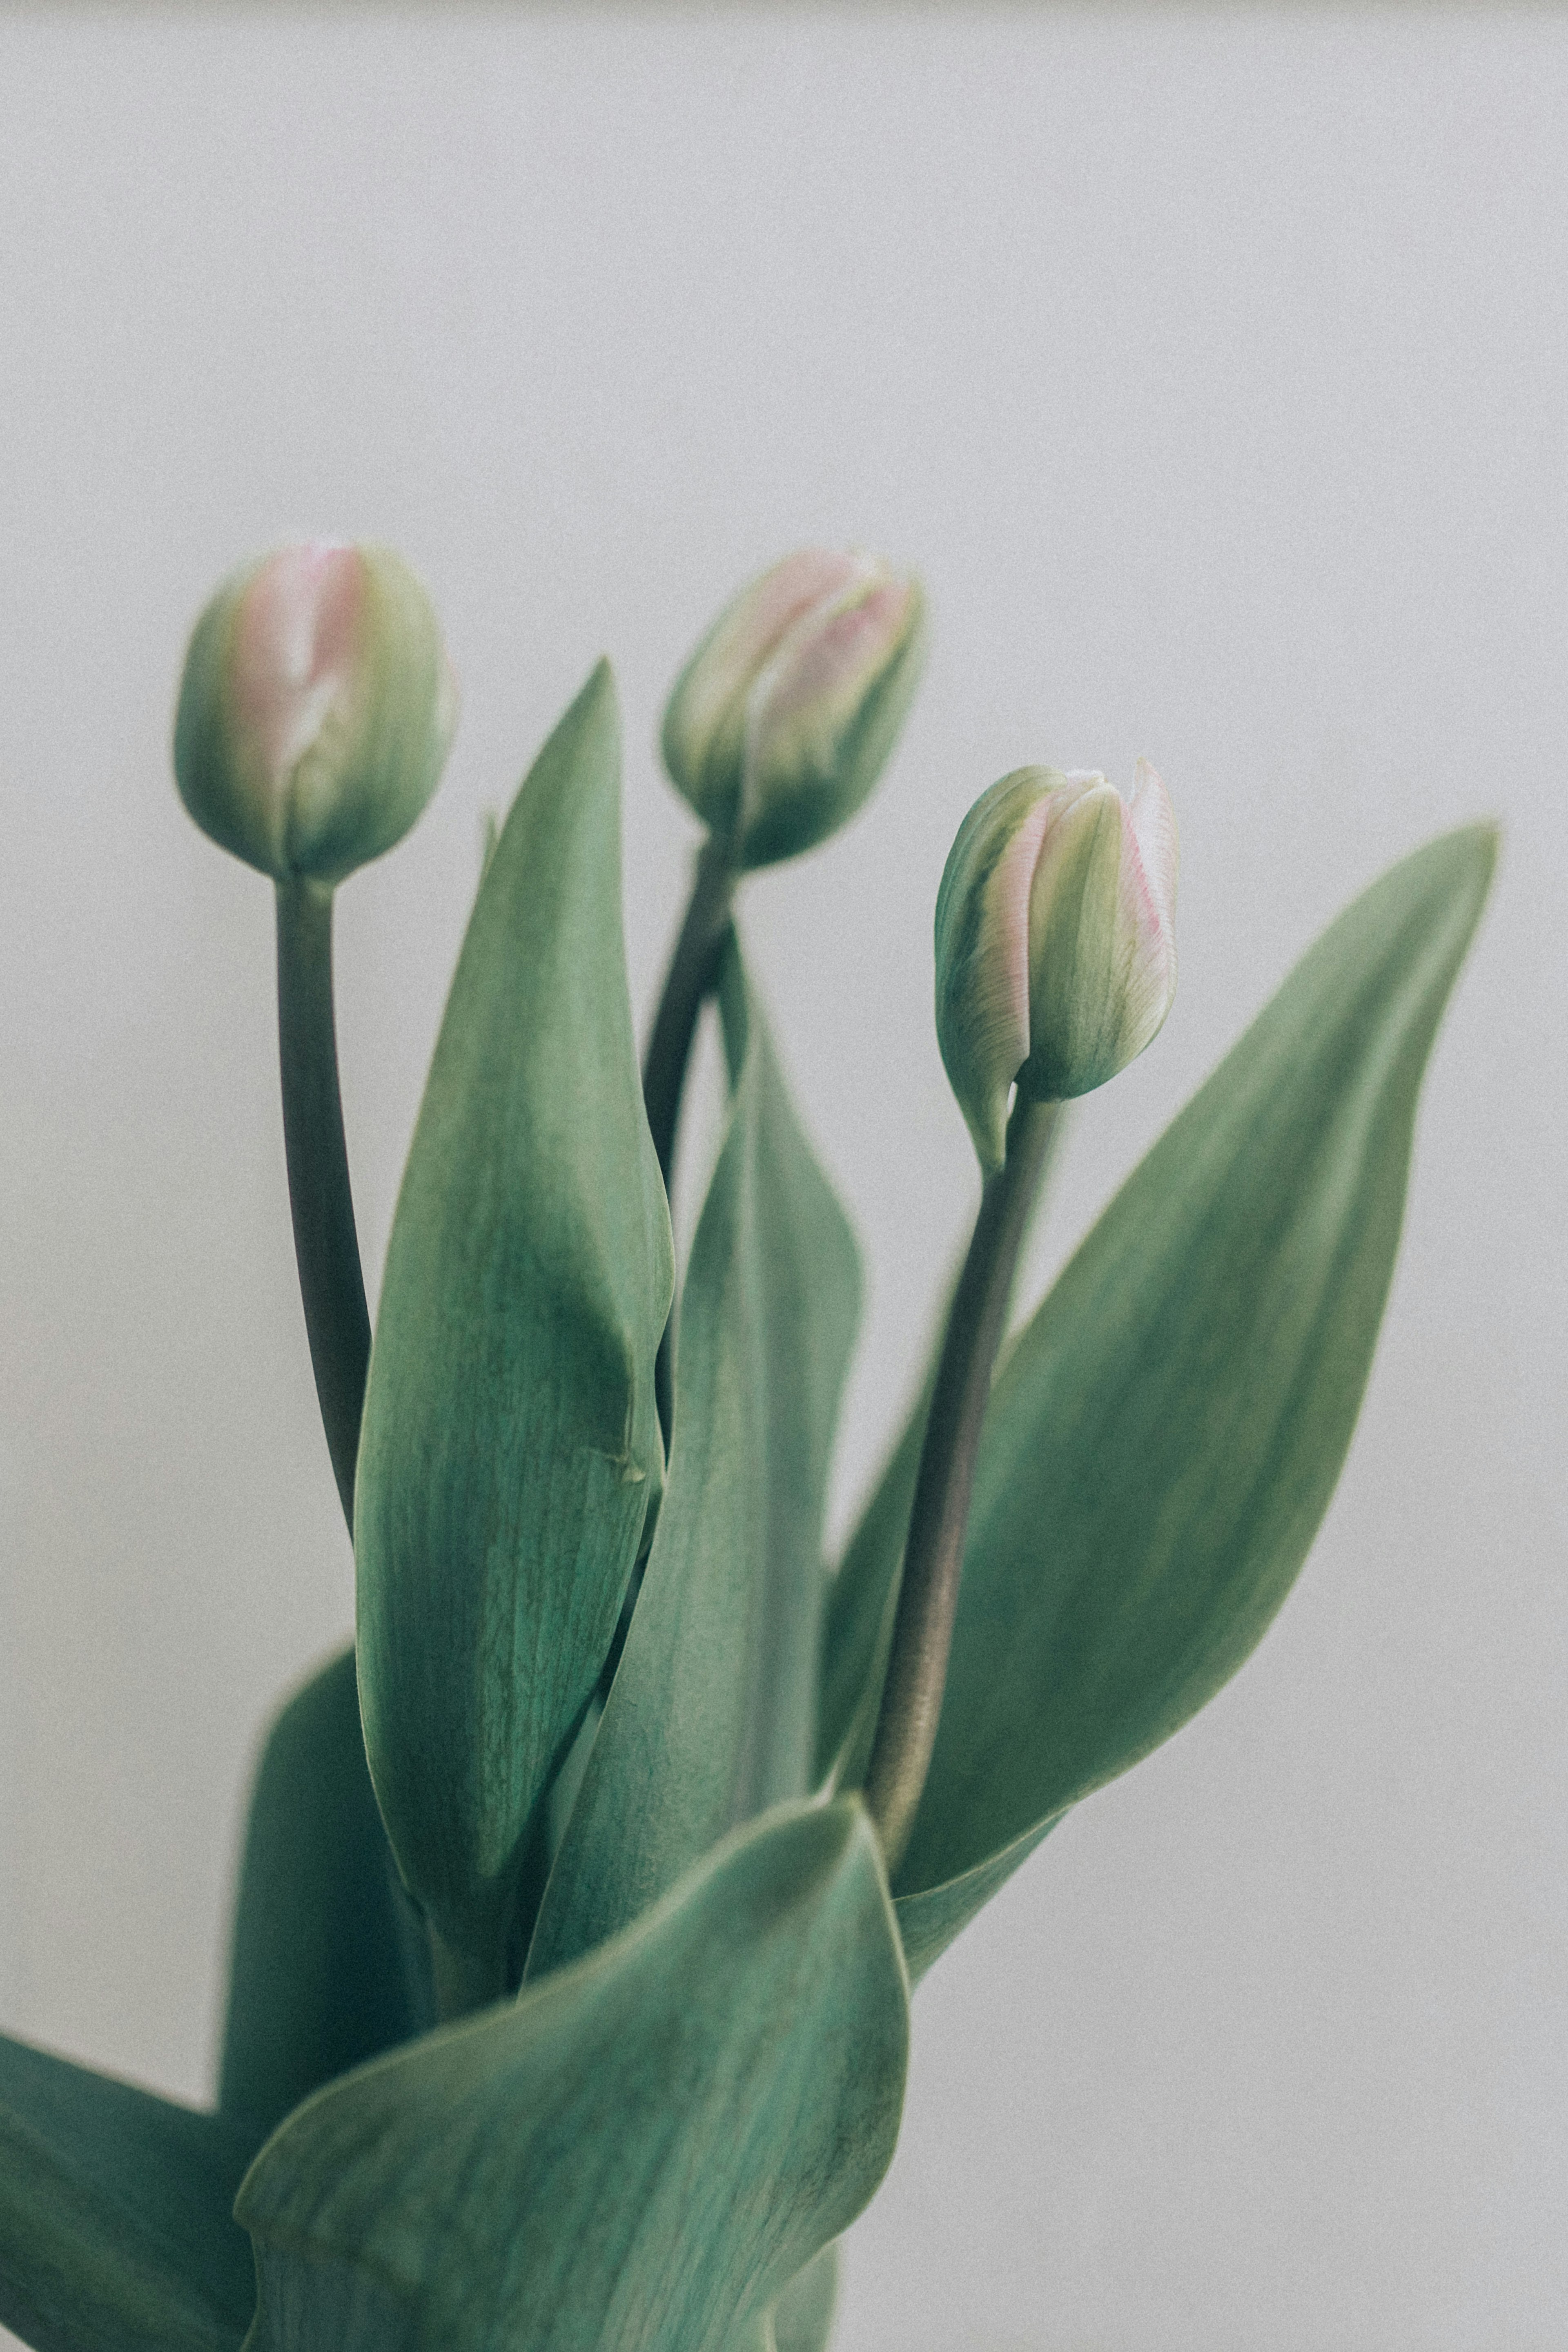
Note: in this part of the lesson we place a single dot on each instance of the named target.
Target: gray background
(1211, 365)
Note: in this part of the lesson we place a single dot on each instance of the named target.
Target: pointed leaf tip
(510, 1450)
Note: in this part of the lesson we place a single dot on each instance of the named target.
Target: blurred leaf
(709, 1718)
(803, 2314)
(330, 1965)
(631, 2155)
(510, 1448)
(116, 2223)
(1163, 1440)
(801, 2318)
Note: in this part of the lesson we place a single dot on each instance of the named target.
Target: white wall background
(1211, 363)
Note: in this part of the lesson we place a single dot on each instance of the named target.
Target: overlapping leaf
(116, 2224)
(632, 2156)
(511, 1447)
(710, 1715)
(330, 1966)
(1165, 1437)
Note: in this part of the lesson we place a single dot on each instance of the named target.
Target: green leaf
(808, 1275)
(927, 1922)
(709, 1719)
(803, 2314)
(858, 1618)
(802, 2317)
(330, 1965)
(116, 2215)
(1163, 1440)
(510, 1449)
(630, 2157)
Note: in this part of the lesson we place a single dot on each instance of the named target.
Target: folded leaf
(511, 1447)
(1162, 1441)
(632, 2156)
(330, 1966)
(709, 1719)
(116, 2223)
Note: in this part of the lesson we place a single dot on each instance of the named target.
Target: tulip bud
(783, 719)
(1055, 940)
(315, 710)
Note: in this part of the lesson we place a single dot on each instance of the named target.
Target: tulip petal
(705, 722)
(983, 950)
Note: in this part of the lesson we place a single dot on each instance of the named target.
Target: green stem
(326, 1247)
(934, 1556)
(693, 967)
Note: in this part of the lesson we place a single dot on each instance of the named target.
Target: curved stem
(934, 1556)
(326, 1246)
(693, 967)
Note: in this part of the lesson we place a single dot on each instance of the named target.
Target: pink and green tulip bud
(1055, 940)
(783, 719)
(315, 710)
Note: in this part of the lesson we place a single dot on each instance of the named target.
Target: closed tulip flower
(315, 710)
(1055, 940)
(315, 715)
(783, 719)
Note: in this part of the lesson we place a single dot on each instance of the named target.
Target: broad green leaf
(632, 2156)
(810, 1277)
(330, 1965)
(116, 2215)
(510, 1448)
(1164, 1439)
(709, 1719)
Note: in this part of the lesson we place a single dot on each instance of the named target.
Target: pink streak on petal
(1007, 893)
(761, 617)
(1146, 889)
(296, 647)
(829, 655)
(1153, 829)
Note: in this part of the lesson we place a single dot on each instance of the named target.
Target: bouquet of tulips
(582, 1900)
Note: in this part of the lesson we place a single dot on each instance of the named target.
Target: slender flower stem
(933, 1557)
(693, 969)
(326, 1247)
(691, 975)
